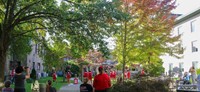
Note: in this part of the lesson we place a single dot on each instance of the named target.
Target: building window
(195, 64)
(180, 32)
(170, 69)
(171, 66)
(193, 26)
(194, 46)
(38, 67)
(181, 67)
(36, 48)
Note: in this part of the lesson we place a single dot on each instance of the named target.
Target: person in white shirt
(193, 74)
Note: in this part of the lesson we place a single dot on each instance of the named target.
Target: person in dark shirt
(86, 87)
(20, 78)
(7, 87)
(49, 87)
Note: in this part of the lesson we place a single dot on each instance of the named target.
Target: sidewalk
(71, 87)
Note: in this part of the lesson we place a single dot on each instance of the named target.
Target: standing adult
(193, 74)
(12, 74)
(85, 74)
(68, 76)
(20, 78)
(90, 76)
(101, 81)
(128, 74)
(85, 87)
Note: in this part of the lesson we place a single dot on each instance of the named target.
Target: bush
(198, 71)
(75, 70)
(142, 85)
(29, 80)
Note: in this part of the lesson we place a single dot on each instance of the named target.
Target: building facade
(34, 60)
(188, 27)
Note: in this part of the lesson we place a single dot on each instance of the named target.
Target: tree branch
(33, 23)
(3, 3)
(32, 16)
(21, 11)
(27, 31)
(7, 11)
(11, 12)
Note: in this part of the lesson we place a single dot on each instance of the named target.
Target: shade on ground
(71, 87)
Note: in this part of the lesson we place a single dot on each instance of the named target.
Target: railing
(188, 88)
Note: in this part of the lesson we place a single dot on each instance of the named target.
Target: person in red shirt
(90, 76)
(101, 81)
(128, 74)
(85, 74)
(68, 76)
(54, 76)
(142, 72)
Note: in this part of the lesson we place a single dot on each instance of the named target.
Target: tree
(19, 48)
(98, 24)
(20, 18)
(95, 56)
(146, 33)
(95, 24)
(83, 24)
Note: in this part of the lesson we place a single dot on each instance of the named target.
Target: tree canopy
(83, 24)
(146, 34)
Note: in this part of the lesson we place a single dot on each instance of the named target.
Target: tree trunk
(3, 54)
(2, 65)
(124, 50)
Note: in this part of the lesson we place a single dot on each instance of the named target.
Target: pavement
(71, 87)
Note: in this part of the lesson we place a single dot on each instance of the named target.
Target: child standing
(54, 77)
(7, 87)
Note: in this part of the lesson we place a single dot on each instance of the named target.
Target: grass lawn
(57, 84)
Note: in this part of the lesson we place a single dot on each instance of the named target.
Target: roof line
(187, 16)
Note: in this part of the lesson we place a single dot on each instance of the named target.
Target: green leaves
(146, 34)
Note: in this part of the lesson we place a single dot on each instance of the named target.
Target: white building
(188, 27)
(34, 60)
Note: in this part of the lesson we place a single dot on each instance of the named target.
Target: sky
(186, 6)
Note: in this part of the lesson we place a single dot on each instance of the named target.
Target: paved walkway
(71, 87)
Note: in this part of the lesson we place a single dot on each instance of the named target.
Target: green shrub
(198, 71)
(75, 70)
(29, 80)
(141, 85)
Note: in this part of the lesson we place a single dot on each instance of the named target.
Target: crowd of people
(191, 77)
(100, 83)
(18, 78)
